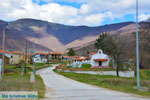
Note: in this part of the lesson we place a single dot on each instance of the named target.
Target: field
(113, 82)
(15, 80)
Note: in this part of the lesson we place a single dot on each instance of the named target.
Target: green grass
(17, 82)
(110, 82)
(145, 74)
(29, 68)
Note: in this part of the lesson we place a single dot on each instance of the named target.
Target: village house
(92, 53)
(55, 56)
(96, 60)
(70, 57)
(6, 57)
(99, 60)
(15, 57)
(40, 58)
(79, 61)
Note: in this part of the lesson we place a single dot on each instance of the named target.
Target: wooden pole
(25, 59)
(3, 64)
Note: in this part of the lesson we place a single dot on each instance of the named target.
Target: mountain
(125, 39)
(55, 37)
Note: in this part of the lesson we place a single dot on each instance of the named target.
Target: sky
(75, 12)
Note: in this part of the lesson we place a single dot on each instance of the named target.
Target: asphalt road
(61, 88)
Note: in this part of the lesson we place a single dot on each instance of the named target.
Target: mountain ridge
(53, 36)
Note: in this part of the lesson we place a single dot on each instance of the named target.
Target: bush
(86, 66)
(68, 66)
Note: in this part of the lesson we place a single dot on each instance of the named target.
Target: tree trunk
(117, 70)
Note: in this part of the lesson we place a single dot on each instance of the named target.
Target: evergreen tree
(71, 52)
(109, 46)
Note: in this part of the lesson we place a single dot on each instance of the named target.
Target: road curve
(61, 88)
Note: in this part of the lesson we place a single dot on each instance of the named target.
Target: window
(100, 52)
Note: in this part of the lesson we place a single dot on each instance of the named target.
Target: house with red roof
(7, 56)
(55, 56)
(96, 60)
(99, 60)
(16, 57)
(40, 57)
(77, 62)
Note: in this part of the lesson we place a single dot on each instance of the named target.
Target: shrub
(86, 66)
(68, 66)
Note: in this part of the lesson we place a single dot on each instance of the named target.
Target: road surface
(61, 88)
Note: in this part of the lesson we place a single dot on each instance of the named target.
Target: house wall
(99, 55)
(79, 63)
(15, 59)
(55, 57)
(6, 59)
(40, 59)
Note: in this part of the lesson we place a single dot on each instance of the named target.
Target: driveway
(61, 88)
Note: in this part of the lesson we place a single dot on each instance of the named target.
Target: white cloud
(84, 9)
(91, 12)
(143, 17)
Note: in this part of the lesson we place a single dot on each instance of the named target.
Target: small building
(55, 56)
(79, 61)
(99, 60)
(6, 57)
(70, 57)
(15, 57)
(40, 58)
(92, 53)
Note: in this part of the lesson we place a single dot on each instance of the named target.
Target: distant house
(99, 60)
(15, 57)
(92, 53)
(55, 56)
(70, 57)
(79, 61)
(40, 58)
(7, 56)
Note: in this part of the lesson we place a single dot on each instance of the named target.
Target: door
(100, 63)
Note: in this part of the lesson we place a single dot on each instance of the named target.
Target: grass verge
(111, 82)
(17, 82)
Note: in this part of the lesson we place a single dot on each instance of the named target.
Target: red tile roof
(42, 53)
(1, 51)
(15, 52)
(73, 57)
(80, 59)
(56, 53)
(92, 53)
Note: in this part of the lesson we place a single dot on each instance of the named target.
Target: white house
(40, 58)
(99, 60)
(79, 61)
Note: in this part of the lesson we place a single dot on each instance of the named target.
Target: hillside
(126, 40)
(51, 36)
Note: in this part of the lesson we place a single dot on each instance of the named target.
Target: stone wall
(121, 73)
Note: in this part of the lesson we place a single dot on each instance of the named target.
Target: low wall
(121, 73)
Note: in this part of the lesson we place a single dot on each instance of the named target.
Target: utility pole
(137, 47)
(32, 77)
(33, 58)
(25, 65)
(3, 63)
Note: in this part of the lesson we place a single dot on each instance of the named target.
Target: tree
(109, 46)
(71, 52)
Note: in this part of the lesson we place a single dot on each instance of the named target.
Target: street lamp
(137, 47)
